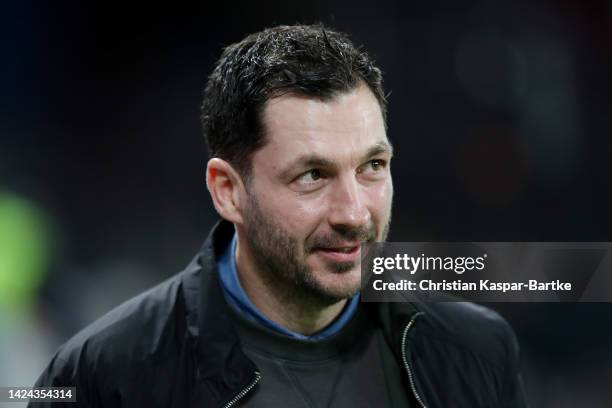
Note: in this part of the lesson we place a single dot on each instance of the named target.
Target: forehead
(343, 127)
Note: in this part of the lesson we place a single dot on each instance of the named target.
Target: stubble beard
(284, 269)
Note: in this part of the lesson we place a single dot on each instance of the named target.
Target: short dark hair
(309, 60)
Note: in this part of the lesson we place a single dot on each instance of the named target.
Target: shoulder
(140, 333)
(134, 327)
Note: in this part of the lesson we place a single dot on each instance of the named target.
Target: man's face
(320, 187)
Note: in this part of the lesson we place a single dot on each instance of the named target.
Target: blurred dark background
(500, 113)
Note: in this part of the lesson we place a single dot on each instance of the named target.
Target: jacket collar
(222, 368)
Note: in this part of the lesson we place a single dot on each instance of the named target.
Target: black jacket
(175, 346)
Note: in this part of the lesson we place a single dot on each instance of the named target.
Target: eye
(310, 177)
(377, 164)
(373, 167)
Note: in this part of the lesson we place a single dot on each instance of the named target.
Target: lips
(341, 253)
(344, 250)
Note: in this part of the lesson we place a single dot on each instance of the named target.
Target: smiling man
(317, 190)
(268, 312)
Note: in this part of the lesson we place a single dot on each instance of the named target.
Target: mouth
(342, 254)
(344, 250)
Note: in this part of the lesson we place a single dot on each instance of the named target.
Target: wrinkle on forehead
(347, 112)
(345, 126)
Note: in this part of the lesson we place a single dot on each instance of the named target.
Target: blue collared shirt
(239, 300)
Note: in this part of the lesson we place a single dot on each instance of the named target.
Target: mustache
(340, 235)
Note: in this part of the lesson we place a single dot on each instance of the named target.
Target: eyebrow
(314, 160)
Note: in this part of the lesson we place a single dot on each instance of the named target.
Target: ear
(225, 187)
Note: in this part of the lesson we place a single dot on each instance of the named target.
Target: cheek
(380, 197)
(309, 213)
(298, 215)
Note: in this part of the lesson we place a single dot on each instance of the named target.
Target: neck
(284, 305)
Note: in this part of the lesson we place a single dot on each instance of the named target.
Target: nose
(347, 207)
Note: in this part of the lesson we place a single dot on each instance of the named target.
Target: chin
(340, 285)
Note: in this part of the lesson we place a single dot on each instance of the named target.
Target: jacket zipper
(406, 364)
(245, 391)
